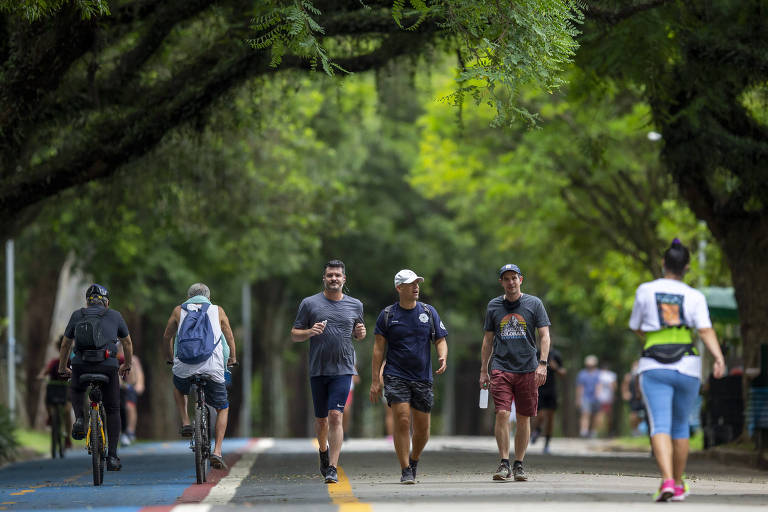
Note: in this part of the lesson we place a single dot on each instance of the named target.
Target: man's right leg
(319, 389)
(584, 420)
(321, 432)
(76, 396)
(501, 431)
(111, 400)
(181, 406)
(401, 413)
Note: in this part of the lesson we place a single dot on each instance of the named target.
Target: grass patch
(36, 440)
(644, 443)
(39, 441)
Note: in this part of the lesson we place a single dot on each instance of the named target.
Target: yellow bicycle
(96, 437)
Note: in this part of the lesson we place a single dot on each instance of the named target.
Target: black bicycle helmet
(96, 291)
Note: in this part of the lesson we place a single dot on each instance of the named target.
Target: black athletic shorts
(415, 392)
(547, 401)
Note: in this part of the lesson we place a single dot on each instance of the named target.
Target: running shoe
(324, 463)
(666, 491)
(113, 463)
(681, 492)
(413, 464)
(504, 472)
(407, 476)
(331, 477)
(519, 472)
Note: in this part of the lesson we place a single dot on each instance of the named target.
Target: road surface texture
(454, 475)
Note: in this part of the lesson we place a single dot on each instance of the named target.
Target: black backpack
(427, 308)
(88, 333)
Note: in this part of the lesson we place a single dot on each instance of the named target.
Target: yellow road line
(22, 492)
(341, 495)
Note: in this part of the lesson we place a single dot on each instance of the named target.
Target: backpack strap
(390, 314)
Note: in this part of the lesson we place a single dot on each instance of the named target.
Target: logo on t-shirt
(670, 308)
(424, 318)
(512, 327)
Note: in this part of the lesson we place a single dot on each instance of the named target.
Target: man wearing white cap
(404, 332)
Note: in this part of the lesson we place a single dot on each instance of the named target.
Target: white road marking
(224, 491)
(192, 508)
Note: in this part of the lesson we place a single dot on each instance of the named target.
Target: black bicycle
(200, 443)
(96, 440)
(56, 400)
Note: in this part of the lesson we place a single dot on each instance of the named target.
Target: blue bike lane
(158, 475)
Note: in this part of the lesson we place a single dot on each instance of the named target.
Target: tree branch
(613, 17)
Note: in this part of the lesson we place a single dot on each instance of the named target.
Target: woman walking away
(665, 312)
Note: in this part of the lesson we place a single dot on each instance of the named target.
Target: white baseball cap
(406, 276)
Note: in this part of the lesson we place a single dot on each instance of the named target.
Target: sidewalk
(562, 446)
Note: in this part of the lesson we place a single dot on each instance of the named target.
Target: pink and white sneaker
(681, 492)
(666, 491)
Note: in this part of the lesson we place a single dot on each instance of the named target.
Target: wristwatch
(542, 362)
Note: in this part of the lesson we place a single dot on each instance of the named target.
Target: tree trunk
(746, 245)
(36, 341)
(271, 334)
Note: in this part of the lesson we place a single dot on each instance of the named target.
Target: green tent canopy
(722, 304)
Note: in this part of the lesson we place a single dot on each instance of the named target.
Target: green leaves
(291, 28)
(507, 46)
(34, 10)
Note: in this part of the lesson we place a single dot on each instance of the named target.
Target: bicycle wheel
(56, 440)
(198, 440)
(95, 446)
(104, 438)
(206, 435)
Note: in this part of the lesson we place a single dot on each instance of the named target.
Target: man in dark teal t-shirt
(406, 330)
(511, 323)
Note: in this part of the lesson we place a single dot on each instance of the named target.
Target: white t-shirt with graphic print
(669, 303)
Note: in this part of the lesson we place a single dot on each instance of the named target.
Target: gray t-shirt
(514, 326)
(332, 352)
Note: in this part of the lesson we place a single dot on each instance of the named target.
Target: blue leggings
(669, 396)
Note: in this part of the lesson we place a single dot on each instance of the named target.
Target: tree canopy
(87, 86)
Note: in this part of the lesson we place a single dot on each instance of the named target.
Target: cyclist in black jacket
(95, 331)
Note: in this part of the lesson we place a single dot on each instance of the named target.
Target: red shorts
(520, 387)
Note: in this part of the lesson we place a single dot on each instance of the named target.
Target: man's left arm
(442, 354)
(66, 348)
(541, 369)
(127, 345)
(226, 330)
(358, 331)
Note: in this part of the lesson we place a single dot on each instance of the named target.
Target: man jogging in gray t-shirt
(330, 320)
(511, 321)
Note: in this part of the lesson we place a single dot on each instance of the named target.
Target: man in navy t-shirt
(406, 330)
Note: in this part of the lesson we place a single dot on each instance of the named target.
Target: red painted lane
(196, 493)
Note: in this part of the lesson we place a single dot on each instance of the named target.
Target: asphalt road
(454, 474)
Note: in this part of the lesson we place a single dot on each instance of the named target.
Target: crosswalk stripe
(225, 490)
